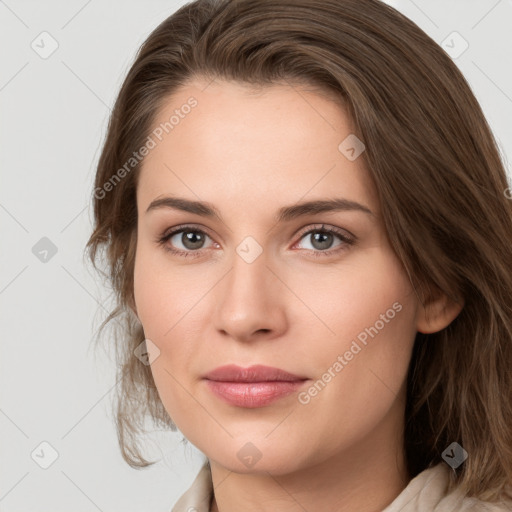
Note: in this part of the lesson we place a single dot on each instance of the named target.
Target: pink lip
(251, 387)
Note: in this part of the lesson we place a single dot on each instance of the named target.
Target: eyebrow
(284, 214)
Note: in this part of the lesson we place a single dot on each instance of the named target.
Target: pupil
(325, 243)
(188, 239)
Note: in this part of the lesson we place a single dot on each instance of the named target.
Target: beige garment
(424, 493)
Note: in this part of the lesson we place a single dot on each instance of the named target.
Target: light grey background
(53, 120)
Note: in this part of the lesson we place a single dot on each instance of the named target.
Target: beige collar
(424, 493)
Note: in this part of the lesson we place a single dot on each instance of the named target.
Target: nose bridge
(249, 269)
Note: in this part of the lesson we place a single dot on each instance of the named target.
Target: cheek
(386, 316)
(371, 316)
(162, 310)
(375, 336)
(343, 300)
(162, 294)
(167, 304)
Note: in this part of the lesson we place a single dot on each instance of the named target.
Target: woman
(306, 224)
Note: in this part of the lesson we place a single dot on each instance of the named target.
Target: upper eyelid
(300, 233)
(324, 227)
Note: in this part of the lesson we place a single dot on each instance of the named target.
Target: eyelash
(347, 241)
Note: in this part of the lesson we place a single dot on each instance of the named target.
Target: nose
(250, 301)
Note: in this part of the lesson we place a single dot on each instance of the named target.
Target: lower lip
(253, 394)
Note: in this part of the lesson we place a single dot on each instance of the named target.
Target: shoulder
(428, 492)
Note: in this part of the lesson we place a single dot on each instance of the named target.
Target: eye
(192, 240)
(322, 239)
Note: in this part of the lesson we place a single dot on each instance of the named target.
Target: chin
(258, 457)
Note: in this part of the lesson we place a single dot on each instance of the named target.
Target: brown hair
(439, 177)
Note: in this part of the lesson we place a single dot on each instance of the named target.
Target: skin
(250, 152)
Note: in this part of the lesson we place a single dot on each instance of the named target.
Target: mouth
(256, 386)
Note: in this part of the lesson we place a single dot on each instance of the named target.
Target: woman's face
(263, 281)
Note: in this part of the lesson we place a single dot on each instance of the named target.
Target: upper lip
(255, 373)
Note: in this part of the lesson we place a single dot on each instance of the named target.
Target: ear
(437, 314)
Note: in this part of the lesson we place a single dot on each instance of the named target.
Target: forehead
(226, 140)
